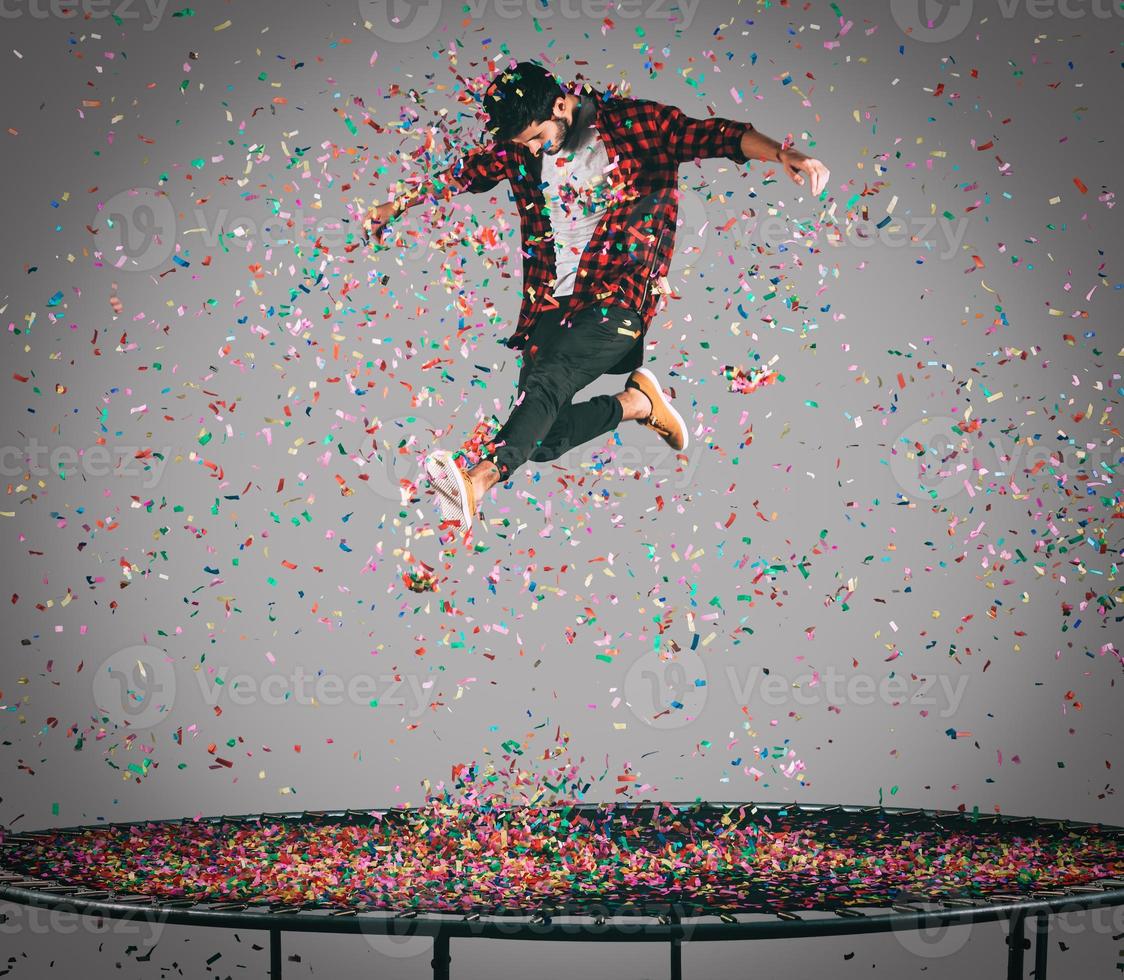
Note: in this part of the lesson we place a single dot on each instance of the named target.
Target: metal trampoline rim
(453, 925)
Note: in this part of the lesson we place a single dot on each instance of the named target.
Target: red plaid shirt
(633, 244)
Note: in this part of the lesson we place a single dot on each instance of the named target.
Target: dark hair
(519, 97)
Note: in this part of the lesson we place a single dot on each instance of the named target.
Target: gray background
(110, 559)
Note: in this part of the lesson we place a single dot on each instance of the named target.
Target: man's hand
(378, 217)
(796, 165)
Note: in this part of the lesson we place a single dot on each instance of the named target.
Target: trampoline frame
(669, 926)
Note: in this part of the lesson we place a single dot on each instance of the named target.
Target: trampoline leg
(677, 959)
(274, 954)
(441, 958)
(1041, 946)
(1016, 946)
(676, 949)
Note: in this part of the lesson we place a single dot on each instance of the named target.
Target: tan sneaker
(664, 419)
(455, 499)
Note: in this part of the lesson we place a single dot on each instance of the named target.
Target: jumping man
(595, 178)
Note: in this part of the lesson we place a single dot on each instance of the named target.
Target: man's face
(548, 135)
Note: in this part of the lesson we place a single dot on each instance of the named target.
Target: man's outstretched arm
(699, 139)
(477, 171)
(757, 146)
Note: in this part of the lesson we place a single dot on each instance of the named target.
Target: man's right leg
(575, 425)
(581, 422)
(545, 423)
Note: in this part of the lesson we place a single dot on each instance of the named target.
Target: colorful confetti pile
(457, 858)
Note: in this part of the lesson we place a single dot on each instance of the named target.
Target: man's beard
(563, 135)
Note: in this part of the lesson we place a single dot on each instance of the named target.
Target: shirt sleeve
(700, 139)
(479, 170)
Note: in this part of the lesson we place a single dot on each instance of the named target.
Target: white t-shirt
(576, 195)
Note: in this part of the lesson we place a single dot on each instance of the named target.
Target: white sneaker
(455, 500)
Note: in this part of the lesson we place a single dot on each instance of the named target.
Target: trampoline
(634, 872)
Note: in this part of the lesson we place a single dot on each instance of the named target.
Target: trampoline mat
(580, 859)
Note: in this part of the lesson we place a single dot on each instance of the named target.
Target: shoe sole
(452, 496)
(667, 404)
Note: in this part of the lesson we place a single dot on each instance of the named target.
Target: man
(595, 178)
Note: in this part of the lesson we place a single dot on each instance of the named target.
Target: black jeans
(562, 356)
